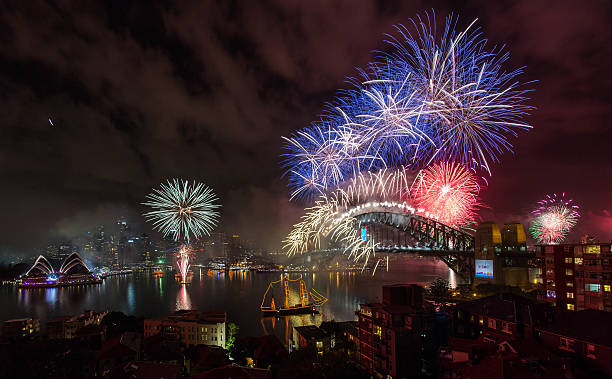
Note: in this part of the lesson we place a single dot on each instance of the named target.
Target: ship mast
(286, 286)
(303, 292)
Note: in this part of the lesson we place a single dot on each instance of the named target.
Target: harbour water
(239, 293)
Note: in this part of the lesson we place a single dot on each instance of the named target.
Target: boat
(158, 273)
(187, 280)
(307, 302)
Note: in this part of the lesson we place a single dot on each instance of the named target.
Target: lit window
(569, 284)
(481, 321)
(606, 287)
(593, 287)
(377, 330)
(551, 294)
(570, 295)
(571, 307)
(319, 344)
(578, 261)
(568, 260)
(593, 249)
(569, 271)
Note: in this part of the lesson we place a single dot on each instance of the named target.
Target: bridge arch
(454, 247)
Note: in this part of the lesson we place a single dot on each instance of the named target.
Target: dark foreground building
(506, 335)
(390, 340)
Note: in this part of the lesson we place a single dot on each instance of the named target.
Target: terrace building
(190, 327)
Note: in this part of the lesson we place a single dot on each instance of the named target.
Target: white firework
(183, 210)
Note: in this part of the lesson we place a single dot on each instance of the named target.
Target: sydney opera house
(73, 271)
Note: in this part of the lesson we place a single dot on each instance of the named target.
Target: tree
(439, 288)
(231, 330)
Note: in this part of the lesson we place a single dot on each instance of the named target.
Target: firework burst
(553, 219)
(182, 209)
(472, 105)
(448, 190)
(432, 97)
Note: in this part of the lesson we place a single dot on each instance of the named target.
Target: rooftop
(588, 325)
(147, 370)
(198, 316)
(507, 307)
(311, 332)
(235, 371)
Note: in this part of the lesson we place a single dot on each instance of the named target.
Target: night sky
(142, 93)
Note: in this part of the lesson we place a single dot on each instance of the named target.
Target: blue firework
(431, 97)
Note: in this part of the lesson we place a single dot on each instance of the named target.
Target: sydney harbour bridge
(403, 230)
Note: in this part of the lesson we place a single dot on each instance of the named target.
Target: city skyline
(208, 100)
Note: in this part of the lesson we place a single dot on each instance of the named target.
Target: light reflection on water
(238, 293)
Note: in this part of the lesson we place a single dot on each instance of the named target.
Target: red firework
(448, 191)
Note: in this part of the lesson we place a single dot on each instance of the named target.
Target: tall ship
(286, 297)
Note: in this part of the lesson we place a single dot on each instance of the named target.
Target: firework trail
(182, 209)
(448, 190)
(183, 257)
(553, 219)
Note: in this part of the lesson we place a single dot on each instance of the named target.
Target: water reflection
(183, 300)
(131, 298)
(452, 278)
(144, 295)
(282, 327)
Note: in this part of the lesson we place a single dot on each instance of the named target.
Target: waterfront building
(20, 328)
(577, 276)
(390, 333)
(190, 327)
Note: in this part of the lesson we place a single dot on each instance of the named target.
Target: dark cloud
(143, 91)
